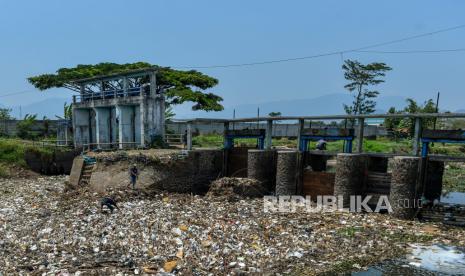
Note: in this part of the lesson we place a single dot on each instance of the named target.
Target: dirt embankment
(174, 171)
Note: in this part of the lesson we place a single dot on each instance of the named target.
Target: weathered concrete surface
(350, 174)
(261, 166)
(286, 173)
(403, 196)
(75, 175)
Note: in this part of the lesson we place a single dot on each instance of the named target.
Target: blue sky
(42, 36)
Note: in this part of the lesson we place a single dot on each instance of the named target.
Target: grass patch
(348, 232)
(208, 141)
(12, 152)
(454, 177)
(3, 171)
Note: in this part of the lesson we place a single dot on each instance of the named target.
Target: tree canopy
(360, 76)
(177, 86)
(5, 114)
(406, 126)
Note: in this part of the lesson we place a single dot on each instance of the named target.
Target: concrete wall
(81, 126)
(102, 119)
(126, 126)
(9, 127)
(146, 113)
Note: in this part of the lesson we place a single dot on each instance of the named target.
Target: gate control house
(119, 111)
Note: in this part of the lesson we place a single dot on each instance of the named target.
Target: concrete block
(76, 170)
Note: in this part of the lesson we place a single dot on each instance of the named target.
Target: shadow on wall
(50, 163)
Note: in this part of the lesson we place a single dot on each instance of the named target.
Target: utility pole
(258, 117)
(234, 116)
(20, 113)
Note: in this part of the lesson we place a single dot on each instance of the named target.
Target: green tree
(25, 126)
(274, 114)
(392, 123)
(169, 114)
(178, 86)
(406, 126)
(68, 111)
(5, 114)
(360, 77)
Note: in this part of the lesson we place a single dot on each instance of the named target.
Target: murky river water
(423, 260)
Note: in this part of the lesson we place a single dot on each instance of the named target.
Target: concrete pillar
(403, 195)
(268, 134)
(350, 173)
(286, 173)
(416, 136)
(226, 144)
(125, 126)
(189, 136)
(102, 126)
(361, 127)
(142, 122)
(261, 165)
(153, 84)
(125, 87)
(433, 181)
(300, 128)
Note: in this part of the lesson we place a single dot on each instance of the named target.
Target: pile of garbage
(234, 188)
(44, 230)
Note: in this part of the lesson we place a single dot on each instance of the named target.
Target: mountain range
(330, 104)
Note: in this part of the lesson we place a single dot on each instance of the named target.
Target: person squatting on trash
(109, 202)
(133, 174)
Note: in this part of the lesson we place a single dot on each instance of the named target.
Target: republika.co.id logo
(329, 203)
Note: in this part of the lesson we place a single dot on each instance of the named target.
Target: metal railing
(49, 143)
(107, 94)
(110, 146)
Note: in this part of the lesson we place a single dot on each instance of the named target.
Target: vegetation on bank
(12, 153)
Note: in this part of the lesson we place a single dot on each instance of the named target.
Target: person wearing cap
(133, 174)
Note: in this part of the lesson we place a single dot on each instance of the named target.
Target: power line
(17, 93)
(412, 51)
(326, 54)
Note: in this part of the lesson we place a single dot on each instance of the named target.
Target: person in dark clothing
(184, 139)
(321, 145)
(109, 202)
(133, 174)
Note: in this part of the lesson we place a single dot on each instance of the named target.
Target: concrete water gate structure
(119, 111)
